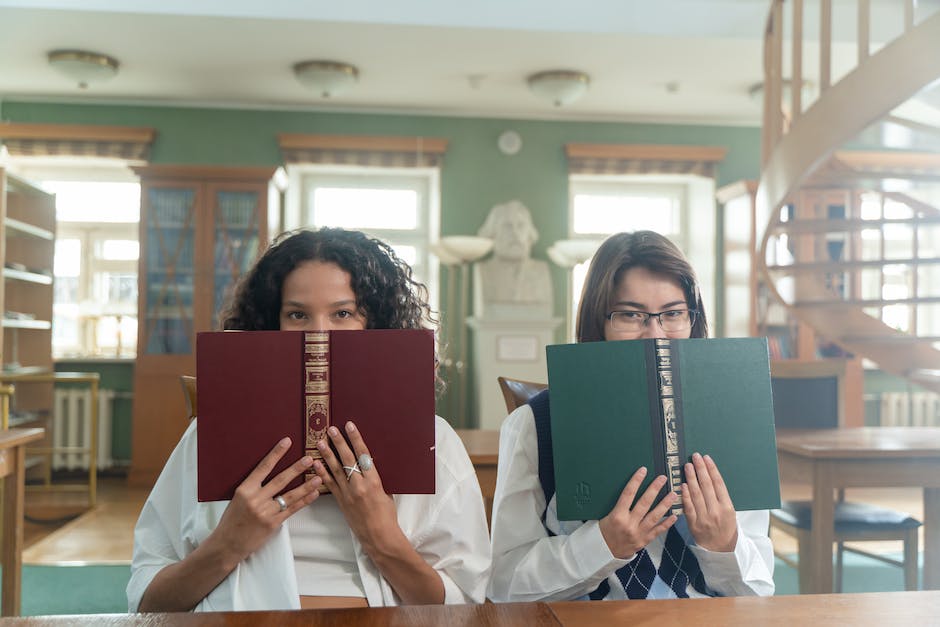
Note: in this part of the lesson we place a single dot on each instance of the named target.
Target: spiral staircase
(852, 241)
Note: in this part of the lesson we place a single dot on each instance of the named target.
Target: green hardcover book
(616, 406)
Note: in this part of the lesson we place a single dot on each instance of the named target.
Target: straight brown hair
(619, 253)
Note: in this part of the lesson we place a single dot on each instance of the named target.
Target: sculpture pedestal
(506, 348)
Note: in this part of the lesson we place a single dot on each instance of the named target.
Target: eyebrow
(339, 303)
(630, 303)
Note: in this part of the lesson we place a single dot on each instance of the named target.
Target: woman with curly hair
(354, 546)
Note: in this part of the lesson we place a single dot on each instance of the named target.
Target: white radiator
(915, 409)
(71, 426)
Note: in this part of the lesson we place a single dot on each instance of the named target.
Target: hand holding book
(369, 511)
(708, 507)
(628, 529)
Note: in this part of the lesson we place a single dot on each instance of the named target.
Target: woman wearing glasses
(639, 286)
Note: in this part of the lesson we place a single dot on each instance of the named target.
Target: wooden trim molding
(362, 142)
(389, 151)
(77, 140)
(655, 152)
(643, 159)
(205, 172)
(76, 132)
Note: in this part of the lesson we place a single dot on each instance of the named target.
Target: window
(673, 205)
(399, 206)
(903, 280)
(95, 300)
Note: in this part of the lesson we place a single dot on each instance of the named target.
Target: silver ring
(365, 461)
(280, 502)
(350, 470)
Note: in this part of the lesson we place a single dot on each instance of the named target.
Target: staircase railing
(832, 263)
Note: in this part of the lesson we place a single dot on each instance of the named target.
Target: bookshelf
(749, 306)
(201, 227)
(28, 240)
(27, 246)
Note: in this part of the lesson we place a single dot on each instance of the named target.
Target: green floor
(100, 589)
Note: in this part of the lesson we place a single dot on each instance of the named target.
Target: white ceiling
(649, 60)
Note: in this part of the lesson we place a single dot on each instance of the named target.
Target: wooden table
(91, 379)
(483, 447)
(820, 610)
(13, 471)
(868, 457)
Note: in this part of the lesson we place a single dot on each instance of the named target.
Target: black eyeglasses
(671, 321)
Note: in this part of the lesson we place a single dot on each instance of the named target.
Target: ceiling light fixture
(328, 78)
(82, 66)
(560, 87)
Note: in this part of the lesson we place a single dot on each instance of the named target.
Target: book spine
(670, 414)
(316, 392)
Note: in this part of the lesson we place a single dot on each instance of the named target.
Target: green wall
(474, 177)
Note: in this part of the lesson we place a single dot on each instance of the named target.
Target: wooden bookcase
(201, 227)
(28, 245)
(749, 307)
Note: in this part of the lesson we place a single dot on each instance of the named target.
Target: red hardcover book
(255, 387)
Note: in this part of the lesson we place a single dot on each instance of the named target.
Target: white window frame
(84, 169)
(696, 214)
(91, 235)
(302, 179)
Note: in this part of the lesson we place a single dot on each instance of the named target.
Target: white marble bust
(510, 277)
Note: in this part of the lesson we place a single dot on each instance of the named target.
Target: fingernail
(708, 457)
(284, 443)
(350, 426)
(317, 466)
(316, 480)
(334, 431)
(321, 445)
(696, 456)
(642, 470)
(306, 461)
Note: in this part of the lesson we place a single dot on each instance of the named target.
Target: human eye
(344, 314)
(631, 316)
(296, 315)
(675, 314)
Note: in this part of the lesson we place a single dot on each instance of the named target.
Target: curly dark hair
(386, 292)
(619, 253)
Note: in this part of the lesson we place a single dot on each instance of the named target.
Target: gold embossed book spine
(316, 392)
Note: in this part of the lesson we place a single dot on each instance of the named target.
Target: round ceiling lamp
(328, 78)
(560, 87)
(83, 67)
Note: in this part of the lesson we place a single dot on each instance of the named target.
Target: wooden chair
(517, 392)
(189, 389)
(809, 395)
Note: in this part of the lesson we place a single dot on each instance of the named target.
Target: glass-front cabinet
(170, 242)
(201, 227)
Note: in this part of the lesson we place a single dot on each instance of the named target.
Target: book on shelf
(619, 405)
(255, 387)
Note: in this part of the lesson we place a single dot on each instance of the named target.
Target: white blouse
(448, 529)
(529, 565)
(324, 555)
